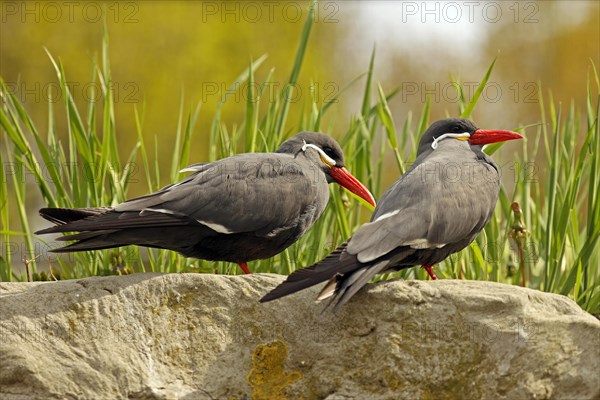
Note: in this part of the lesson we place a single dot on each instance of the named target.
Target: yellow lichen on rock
(267, 377)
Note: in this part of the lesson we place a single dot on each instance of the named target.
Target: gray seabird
(242, 208)
(435, 209)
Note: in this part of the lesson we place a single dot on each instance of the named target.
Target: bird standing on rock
(238, 209)
(435, 209)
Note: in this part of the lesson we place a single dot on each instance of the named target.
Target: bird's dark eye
(457, 129)
(329, 151)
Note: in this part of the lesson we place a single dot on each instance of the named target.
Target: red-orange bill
(481, 136)
(346, 180)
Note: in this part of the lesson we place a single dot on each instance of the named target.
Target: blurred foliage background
(160, 49)
(161, 52)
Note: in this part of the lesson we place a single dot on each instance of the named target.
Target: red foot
(429, 270)
(244, 268)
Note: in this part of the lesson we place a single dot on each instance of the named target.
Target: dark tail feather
(338, 262)
(349, 284)
(93, 243)
(63, 216)
(85, 235)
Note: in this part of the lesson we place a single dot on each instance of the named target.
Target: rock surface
(193, 336)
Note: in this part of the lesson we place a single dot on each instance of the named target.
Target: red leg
(429, 270)
(244, 268)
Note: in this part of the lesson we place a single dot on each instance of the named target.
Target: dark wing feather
(244, 193)
(431, 206)
(85, 235)
(114, 220)
(61, 216)
(257, 193)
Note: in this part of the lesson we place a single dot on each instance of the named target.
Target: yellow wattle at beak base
(325, 161)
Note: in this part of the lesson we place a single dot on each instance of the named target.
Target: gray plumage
(435, 209)
(242, 208)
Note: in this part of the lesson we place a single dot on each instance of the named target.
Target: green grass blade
(466, 113)
(385, 115)
(302, 45)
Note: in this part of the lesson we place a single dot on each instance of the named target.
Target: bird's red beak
(481, 136)
(346, 180)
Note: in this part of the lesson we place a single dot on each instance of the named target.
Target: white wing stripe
(216, 227)
(157, 210)
(387, 215)
(423, 244)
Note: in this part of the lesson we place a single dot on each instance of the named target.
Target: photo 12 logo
(453, 92)
(90, 92)
(267, 11)
(69, 11)
(320, 92)
(469, 11)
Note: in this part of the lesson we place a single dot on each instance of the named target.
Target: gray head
(443, 126)
(327, 154)
(323, 150)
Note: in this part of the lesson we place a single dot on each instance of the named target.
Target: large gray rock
(193, 336)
